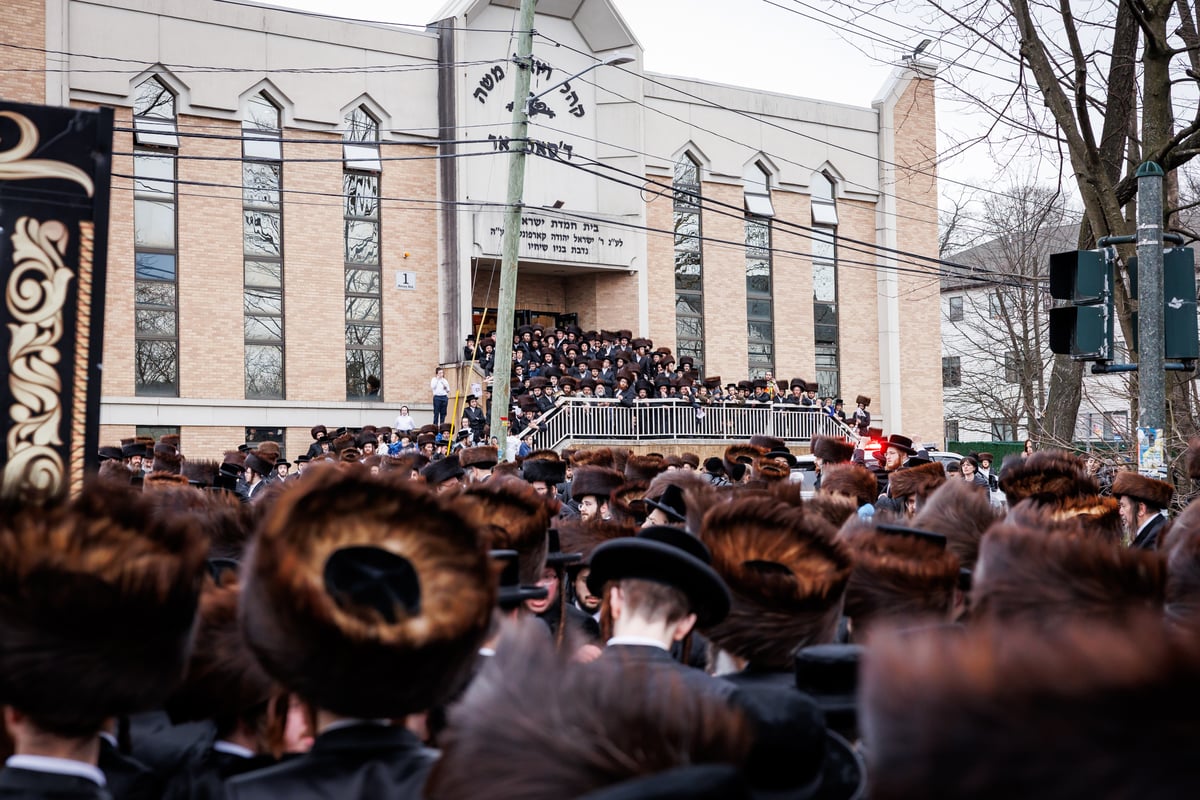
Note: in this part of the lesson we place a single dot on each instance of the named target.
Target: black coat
(30, 784)
(361, 761)
(128, 778)
(205, 779)
(578, 622)
(167, 748)
(1148, 538)
(656, 658)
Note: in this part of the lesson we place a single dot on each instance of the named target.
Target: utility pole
(506, 303)
(1152, 377)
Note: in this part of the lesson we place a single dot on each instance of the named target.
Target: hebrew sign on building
(55, 165)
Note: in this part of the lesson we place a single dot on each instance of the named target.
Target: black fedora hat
(438, 472)
(670, 502)
(664, 555)
(512, 593)
(828, 673)
(555, 557)
(900, 443)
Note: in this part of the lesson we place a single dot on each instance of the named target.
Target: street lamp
(507, 299)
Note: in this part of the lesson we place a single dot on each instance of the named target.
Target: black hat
(257, 463)
(785, 454)
(548, 472)
(512, 593)
(437, 472)
(303, 459)
(108, 453)
(828, 673)
(664, 555)
(900, 443)
(936, 539)
(670, 502)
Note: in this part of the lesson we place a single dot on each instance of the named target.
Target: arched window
(689, 283)
(759, 319)
(364, 292)
(155, 198)
(262, 248)
(825, 279)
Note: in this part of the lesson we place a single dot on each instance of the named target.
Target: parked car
(805, 473)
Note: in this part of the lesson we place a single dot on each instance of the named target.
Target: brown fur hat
(269, 451)
(1154, 493)
(919, 481)
(594, 457)
(832, 449)
(1193, 459)
(157, 480)
(346, 655)
(591, 726)
(402, 465)
(769, 470)
(597, 481)
(97, 605)
(741, 453)
(515, 517)
(168, 461)
(578, 535)
(1002, 713)
(835, 509)
(1181, 544)
(785, 572)
(897, 577)
(1044, 574)
(643, 468)
(346, 440)
(202, 472)
(1098, 517)
(544, 470)
(1046, 476)
(483, 456)
(850, 479)
(961, 513)
(224, 681)
(768, 443)
(627, 503)
(691, 459)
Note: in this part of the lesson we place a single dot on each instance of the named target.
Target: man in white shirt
(441, 395)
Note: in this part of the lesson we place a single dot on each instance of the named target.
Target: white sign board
(406, 280)
(551, 238)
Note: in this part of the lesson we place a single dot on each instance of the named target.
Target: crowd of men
(598, 624)
(569, 362)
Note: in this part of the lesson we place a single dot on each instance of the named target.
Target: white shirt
(404, 422)
(230, 748)
(59, 766)
(440, 387)
(642, 641)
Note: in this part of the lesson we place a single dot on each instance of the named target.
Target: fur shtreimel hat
(594, 457)
(1193, 459)
(741, 454)
(1046, 476)
(366, 596)
(1042, 573)
(1000, 713)
(442, 470)
(515, 517)
(831, 449)
(224, 681)
(544, 470)
(961, 513)
(595, 481)
(1154, 493)
(643, 468)
(862, 400)
(578, 535)
(770, 443)
(787, 576)
(1182, 547)
(898, 576)
(97, 605)
(851, 479)
(484, 456)
(593, 726)
(919, 481)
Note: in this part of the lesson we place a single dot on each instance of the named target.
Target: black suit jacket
(205, 779)
(362, 761)
(1148, 538)
(656, 658)
(30, 784)
(128, 778)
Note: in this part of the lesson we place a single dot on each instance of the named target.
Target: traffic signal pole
(1152, 376)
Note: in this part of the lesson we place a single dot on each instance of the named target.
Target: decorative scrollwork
(15, 164)
(36, 296)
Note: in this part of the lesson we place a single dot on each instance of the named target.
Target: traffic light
(1083, 329)
(1181, 337)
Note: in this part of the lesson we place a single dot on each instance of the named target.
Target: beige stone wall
(916, 209)
(25, 26)
(791, 285)
(209, 267)
(660, 258)
(858, 309)
(724, 273)
(117, 378)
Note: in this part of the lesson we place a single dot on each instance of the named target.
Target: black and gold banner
(55, 165)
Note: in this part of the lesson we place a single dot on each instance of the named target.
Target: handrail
(604, 420)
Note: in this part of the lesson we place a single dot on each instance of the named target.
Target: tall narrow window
(262, 247)
(364, 298)
(759, 322)
(155, 286)
(689, 283)
(825, 296)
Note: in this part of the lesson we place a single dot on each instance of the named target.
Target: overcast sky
(796, 47)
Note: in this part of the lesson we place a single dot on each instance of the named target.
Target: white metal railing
(603, 420)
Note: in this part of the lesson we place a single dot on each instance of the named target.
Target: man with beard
(1142, 501)
(554, 610)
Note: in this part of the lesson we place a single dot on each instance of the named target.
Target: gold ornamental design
(16, 165)
(36, 297)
